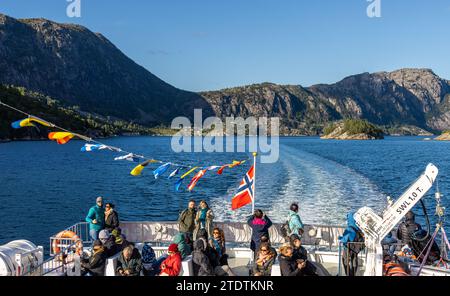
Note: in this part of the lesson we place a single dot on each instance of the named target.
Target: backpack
(285, 230)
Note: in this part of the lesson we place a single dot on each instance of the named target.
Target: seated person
(301, 254)
(264, 260)
(149, 262)
(183, 242)
(109, 243)
(217, 245)
(130, 262)
(95, 265)
(289, 266)
(200, 261)
(119, 240)
(171, 266)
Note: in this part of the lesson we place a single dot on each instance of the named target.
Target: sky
(203, 45)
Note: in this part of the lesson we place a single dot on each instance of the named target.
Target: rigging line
(89, 139)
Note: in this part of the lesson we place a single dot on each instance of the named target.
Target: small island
(445, 136)
(353, 129)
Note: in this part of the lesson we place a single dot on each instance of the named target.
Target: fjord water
(46, 187)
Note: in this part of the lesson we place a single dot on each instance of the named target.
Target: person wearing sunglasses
(217, 244)
(111, 217)
(264, 260)
(96, 218)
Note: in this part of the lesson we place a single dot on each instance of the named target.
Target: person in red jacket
(172, 265)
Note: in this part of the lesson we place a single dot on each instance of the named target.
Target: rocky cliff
(70, 63)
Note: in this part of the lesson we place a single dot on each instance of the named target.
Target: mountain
(52, 110)
(407, 97)
(78, 67)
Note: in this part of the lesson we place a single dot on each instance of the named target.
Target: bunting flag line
(93, 147)
(161, 170)
(63, 136)
(129, 157)
(60, 137)
(138, 169)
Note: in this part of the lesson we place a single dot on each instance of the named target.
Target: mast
(254, 181)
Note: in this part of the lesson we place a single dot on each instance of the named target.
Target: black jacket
(200, 261)
(112, 222)
(111, 248)
(288, 266)
(134, 265)
(96, 264)
(406, 230)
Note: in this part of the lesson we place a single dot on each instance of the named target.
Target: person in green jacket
(182, 239)
(295, 222)
(186, 221)
(96, 218)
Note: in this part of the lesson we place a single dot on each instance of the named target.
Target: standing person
(289, 266)
(260, 224)
(204, 219)
(129, 262)
(353, 242)
(96, 263)
(186, 221)
(294, 221)
(96, 218)
(111, 217)
(265, 257)
(172, 265)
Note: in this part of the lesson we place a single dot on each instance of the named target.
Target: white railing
(161, 233)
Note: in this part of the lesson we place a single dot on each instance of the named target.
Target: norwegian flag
(244, 196)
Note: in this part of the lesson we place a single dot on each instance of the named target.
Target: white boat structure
(23, 258)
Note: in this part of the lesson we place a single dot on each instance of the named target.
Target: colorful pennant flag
(161, 170)
(93, 147)
(129, 157)
(244, 196)
(138, 169)
(196, 178)
(60, 137)
(174, 173)
(29, 122)
(178, 184)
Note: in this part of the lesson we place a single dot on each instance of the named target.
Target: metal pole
(254, 181)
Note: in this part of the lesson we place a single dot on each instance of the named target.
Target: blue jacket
(350, 232)
(97, 213)
(295, 223)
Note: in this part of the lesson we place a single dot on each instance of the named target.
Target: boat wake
(325, 190)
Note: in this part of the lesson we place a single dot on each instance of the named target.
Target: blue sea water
(46, 187)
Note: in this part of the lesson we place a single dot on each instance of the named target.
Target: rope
(116, 149)
(424, 260)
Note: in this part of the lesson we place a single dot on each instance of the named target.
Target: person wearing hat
(172, 265)
(96, 263)
(96, 218)
(119, 239)
(130, 262)
(109, 243)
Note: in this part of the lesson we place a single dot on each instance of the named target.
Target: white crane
(375, 228)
